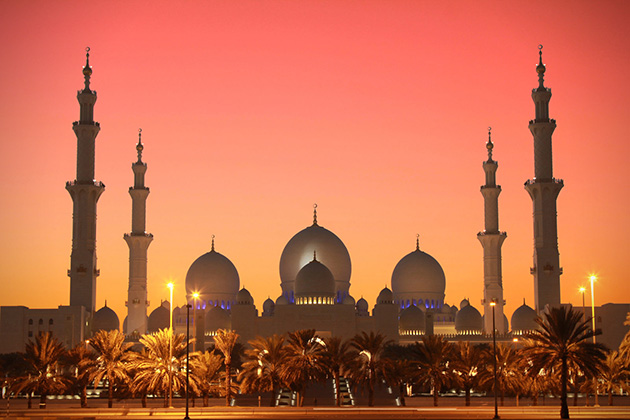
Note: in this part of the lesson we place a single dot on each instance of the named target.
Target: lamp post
(187, 357)
(494, 349)
(195, 296)
(582, 290)
(593, 278)
(170, 350)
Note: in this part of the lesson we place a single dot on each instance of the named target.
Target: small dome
(268, 307)
(386, 296)
(105, 319)
(362, 307)
(215, 278)
(315, 279)
(464, 303)
(349, 300)
(243, 297)
(217, 318)
(412, 321)
(282, 300)
(468, 321)
(418, 277)
(524, 320)
(159, 318)
(331, 252)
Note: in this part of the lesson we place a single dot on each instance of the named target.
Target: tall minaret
(492, 240)
(544, 190)
(138, 242)
(85, 192)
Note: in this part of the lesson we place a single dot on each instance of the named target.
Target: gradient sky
(254, 110)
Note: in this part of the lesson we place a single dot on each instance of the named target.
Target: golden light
(582, 289)
(493, 303)
(195, 295)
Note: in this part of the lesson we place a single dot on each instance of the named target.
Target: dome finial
(314, 255)
(315, 214)
(540, 69)
(212, 249)
(139, 146)
(489, 144)
(87, 70)
(106, 303)
(417, 242)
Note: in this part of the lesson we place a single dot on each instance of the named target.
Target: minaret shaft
(85, 193)
(138, 241)
(544, 190)
(491, 240)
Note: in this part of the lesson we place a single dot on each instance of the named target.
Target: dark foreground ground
(417, 408)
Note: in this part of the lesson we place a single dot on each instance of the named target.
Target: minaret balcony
(94, 123)
(540, 181)
(74, 183)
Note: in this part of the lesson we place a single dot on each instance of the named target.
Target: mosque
(315, 270)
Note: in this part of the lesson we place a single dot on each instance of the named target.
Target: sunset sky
(252, 111)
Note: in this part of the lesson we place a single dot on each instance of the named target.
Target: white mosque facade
(315, 271)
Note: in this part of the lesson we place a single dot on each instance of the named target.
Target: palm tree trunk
(517, 400)
(274, 392)
(144, 400)
(610, 397)
(110, 393)
(228, 383)
(564, 409)
(206, 400)
(467, 396)
(371, 395)
(84, 396)
(575, 391)
(30, 399)
(42, 400)
(435, 392)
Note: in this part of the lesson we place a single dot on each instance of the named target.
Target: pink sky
(254, 110)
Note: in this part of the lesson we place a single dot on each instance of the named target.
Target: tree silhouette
(81, 360)
(206, 370)
(225, 340)
(262, 370)
(563, 338)
(469, 366)
(366, 369)
(433, 355)
(111, 361)
(43, 375)
(337, 357)
(615, 374)
(304, 361)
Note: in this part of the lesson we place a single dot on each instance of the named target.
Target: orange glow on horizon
(252, 111)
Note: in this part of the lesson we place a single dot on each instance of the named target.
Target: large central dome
(330, 251)
(418, 279)
(215, 278)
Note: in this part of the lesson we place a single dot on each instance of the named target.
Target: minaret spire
(87, 70)
(212, 249)
(491, 240)
(315, 214)
(138, 241)
(417, 242)
(544, 190)
(85, 192)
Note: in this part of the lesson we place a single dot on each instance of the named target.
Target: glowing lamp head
(195, 295)
(170, 285)
(493, 303)
(582, 289)
(593, 278)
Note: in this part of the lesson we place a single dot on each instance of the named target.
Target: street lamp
(493, 303)
(593, 279)
(582, 290)
(187, 356)
(195, 296)
(170, 285)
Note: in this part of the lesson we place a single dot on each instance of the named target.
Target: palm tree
(160, 369)
(563, 339)
(261, 372)
(469, 367)
(624, 348)
(337, 356)
(225, 340)
(367, 368)
(205, 369)
(432, 356)
(615, 374)
(304, 361)
(43, 375)
(509, 369)
(111, 361)
(81, 360)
